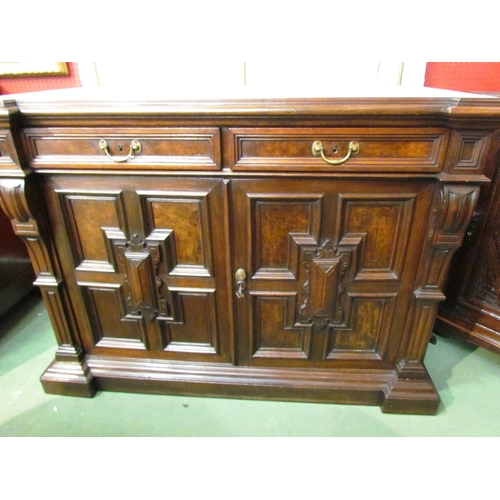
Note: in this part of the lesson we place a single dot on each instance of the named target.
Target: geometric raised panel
(186, 216)
(281, 223)
(197, 333)
(274, 332)
(88, 217)
(323, 294)
(384, 221)
(138, 263)
(111, 325)
(368, 328)
(468, 154)
(140, 266)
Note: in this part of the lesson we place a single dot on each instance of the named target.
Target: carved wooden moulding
(204, 246)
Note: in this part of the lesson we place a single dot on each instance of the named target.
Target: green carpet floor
(467, 378)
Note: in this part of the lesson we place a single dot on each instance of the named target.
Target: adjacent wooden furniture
(248, 247)
(16, 271)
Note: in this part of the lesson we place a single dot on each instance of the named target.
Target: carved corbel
(413, 390)
(453, 207)
(69, 364)
(14, 204)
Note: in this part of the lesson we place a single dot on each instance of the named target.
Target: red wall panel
(17, 85)
(464, 76)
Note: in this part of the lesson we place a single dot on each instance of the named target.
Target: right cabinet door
(329, 265)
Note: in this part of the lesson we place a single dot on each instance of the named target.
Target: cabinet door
(145, 264)
(330, 266)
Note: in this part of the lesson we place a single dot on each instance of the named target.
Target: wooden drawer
(380, 150)
(160, 148)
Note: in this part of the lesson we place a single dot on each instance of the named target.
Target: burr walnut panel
(174, 148)
(275, 333)
(384, 223)
(198, 330)
(88, 217)
(282, 223)
(381, 150)
(186, 215)
(112, 326)
(371, 323)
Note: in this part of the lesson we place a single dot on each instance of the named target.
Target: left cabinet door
(144, 260)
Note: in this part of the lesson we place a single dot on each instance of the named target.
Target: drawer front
(159, 148)
(380, 150)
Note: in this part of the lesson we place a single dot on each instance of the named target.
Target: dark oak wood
(343, 265)
(472, 307)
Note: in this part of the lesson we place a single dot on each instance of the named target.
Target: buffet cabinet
(291, 249)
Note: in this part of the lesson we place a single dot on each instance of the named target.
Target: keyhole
(120, 147)
(335, 149)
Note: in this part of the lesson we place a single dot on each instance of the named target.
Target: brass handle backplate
(318, 150)
(240, 276)
(135, 148)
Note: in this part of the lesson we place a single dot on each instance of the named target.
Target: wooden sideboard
(255, 247)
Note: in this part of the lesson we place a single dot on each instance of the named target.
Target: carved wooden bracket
(453, 207)
(13, 202)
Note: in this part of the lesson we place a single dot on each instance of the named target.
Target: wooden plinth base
(363, 387)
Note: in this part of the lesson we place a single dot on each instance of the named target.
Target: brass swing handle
(240, 277)
(135, 148)
(318, 150)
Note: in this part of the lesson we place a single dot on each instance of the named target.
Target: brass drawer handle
(318, 150)
(135, 147)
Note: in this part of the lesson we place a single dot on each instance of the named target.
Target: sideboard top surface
(371, 101)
